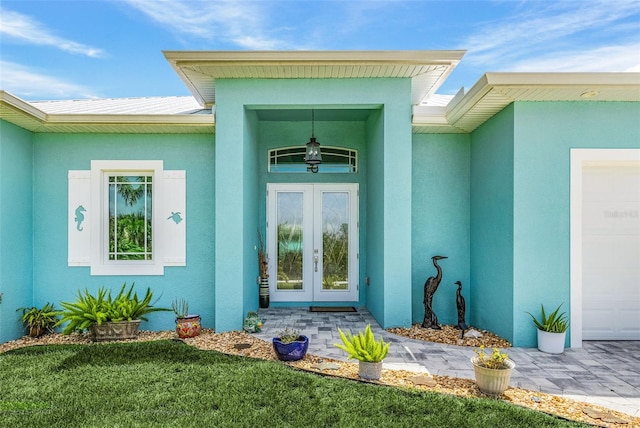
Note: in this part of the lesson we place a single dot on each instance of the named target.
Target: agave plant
(554, 323)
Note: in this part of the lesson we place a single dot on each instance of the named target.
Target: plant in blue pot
(290, 345)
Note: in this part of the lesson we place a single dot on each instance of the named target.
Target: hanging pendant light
(312, 156)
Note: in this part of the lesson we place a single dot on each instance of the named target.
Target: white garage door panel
(611, 251)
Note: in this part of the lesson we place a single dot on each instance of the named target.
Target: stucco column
(229, 214)
(397, 214)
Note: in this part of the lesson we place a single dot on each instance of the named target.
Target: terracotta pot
(36, 331)
(189, 326)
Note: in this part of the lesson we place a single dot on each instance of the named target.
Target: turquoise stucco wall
(440, 221)
(55, 154)
(375, 216)
(16, 245)
(520, 205)
(233, 97)
(491, 202)
(544, 135)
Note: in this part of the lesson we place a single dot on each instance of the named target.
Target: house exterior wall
(440, 221)
(491, 267)
(544, 135)
(56, 154)
(16, 245)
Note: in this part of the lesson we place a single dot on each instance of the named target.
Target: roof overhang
(200, 69)
(27, 116)
(495, 91)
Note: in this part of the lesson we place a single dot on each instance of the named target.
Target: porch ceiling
(200, 69)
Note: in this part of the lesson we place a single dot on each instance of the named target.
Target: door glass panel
(290, 233)
(335, 240)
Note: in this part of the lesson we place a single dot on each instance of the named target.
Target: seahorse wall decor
(79, 217)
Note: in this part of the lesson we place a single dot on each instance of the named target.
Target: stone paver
(606, 373)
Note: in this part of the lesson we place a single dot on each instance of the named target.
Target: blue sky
(89, 48)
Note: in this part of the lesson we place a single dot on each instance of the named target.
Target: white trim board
(579, 158)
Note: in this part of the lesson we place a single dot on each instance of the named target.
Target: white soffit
(200, 69)
(495, 91)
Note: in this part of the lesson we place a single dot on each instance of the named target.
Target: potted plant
(492, 371)
(552, 330)
(364, 348)
(187, 325)
(290, 345)
(107, 317)
(39, 321)
(263, 279)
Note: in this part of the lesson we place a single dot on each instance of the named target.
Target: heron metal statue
(461, 308)
(430, 287)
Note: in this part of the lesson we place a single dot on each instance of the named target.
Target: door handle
(315, 259)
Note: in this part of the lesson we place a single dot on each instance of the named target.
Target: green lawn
(168, 383)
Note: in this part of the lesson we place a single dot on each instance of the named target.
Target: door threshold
(332, 309)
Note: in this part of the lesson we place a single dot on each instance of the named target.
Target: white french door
(312, 241)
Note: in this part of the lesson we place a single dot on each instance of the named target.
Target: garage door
(611, 251)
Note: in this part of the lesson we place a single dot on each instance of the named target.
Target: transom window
(130, 217)
(334, 159)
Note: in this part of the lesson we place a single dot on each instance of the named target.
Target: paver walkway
(602, 372)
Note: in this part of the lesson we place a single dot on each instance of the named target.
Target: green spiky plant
(363, 346)
(89, 309)
(39, 321)
(554, 323)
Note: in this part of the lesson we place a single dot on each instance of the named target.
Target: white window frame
(100, 263)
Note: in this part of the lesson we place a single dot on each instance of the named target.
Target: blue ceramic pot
(293, 351)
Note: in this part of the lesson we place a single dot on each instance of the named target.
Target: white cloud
(27, 83)
(22, 28)
(239, 23)
(605, 59)
(551, 29)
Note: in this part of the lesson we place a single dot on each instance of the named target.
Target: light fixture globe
(312, 156)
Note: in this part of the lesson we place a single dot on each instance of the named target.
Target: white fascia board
(562, 79)
(22, 106)
(429, 115)
(459, 106)
(315, 57)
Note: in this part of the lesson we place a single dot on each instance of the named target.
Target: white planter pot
(369, 371)
(492, 381)
(551, 343)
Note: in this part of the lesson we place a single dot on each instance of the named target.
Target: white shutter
(174, 218)
(78, 224)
